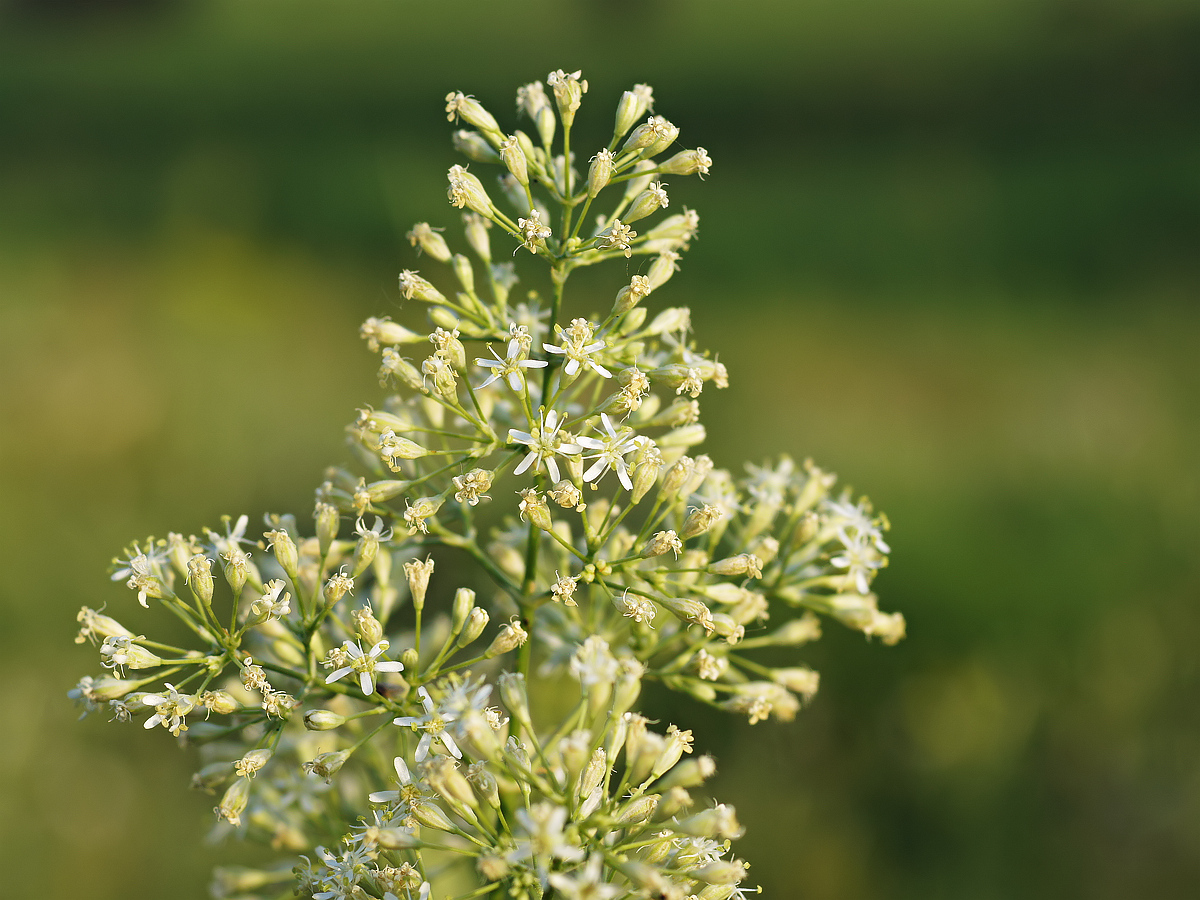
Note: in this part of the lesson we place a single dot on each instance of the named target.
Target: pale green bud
(687, 162)
(418, 573)
(464, 602)
(470, 111)
(718, 822)
(699, 521)
(661, 270)
(631, 107)
(512, 692)
(687, 436)
(414, 287)
(599, 172)
(327, 520)
(689, 773)
(511, 636)
(533, 508)
(367, 626)
(464, 273)
(512, 154)
(636, 811)
(476, 230)
(430, 242)
(569, 89)
(233, 804)
(323, 720)
(484, 783)
(474, 147)
(477, 620)
(200, 577)
(648, 202)
(466, 191)
(393, 838)
(326, 765)
(393, 365)
(286, 554)
(431, 816)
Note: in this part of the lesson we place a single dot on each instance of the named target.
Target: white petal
(598, 468)
(525, 463)
(552, 468)
(590, 443)
(623, 474)
(520, 437)
(569, 449)
(490, 363)
(600, 370)
(514, 381)
(365, 682)
(571, 367)
(533, 364)
(338, 673)
(423, 746)
(389, 667)
(426, 701)
(402, 770)
(450, 745)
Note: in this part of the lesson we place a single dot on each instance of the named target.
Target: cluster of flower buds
(556, 452)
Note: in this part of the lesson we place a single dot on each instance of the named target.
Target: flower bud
(470, 111)
(599, 172)
(631, 107)
(200, 577)
(249, 764)
(533, 509)
(568, 93)
(430, 242)
(593, 774)
(718, 822)
(233, 804)
(464, 602)
(699, 521)
(636, 811)
(690, 610)
(474, 147)
(322, 720)
(466, 191)
(689, 773)
(662, 542)
(512, 154)
(476, 230)
(742, 564)
(326, 765)
(221, 702)
(285, 551)
(512, 692)
(646, 466)
(466, 279)
(431, 816)
(418, 572)
(367, 626)
(511, 636)
(477, 620)
(393, 838)
(395, 366)
(631, 294)
(661, 269)
(648, 202)
(414, 287)
(687, 162)
(328, 521)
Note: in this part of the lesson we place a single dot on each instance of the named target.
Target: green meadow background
(949, 248)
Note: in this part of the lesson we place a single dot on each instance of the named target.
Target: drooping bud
(473, 146)
(513, 156)
(699, 521)
(233, 804)
(648, 202)
(470, 111)
(511, 636)
(476, 621)
(466, 191)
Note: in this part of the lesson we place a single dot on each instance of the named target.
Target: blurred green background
(949, 248)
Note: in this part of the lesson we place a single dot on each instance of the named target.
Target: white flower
(275, 602)
(593, 663)
(169, 709)
(611, 450)
(857, 520)
(510, 367)
(433, 724)
(586, 883)
(543, 826)
(404, 777)
(365, 664)
(533, 231)
(859, 559)
(578, 347)
(544, 441)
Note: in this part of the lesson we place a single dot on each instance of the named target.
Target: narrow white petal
(402, 770)
(552, 468)
(571, 367)
(600, 370)
(365, 682)
(423, 746)
(388, 666)
(338, 673)
(525, 463)
(450, 745)
(597, 469)
(514, 381)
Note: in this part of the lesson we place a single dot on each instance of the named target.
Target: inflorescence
(393, 750)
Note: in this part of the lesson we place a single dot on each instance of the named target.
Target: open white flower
(365, 664)
(859, 558)
(544, 442)
(585, 883)
(510, 367)
(612, 446)
(577, 347)
(433, 724)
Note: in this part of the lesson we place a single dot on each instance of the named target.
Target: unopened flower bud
(484, 783)
(492, 867)
(660, 272)
(430, 242)
(687, 162)
(418, 572)
(476, 230)
(689, 773)
(328, 521)
(233, 804)
(323, 720)
(470, 111)
(631, 294)
(395, 838)
(473, 146)
(718, 822)
(466, 191)
(742, 564)
(690, 610)
(221, 702)
(599, 172)
(200, 577)
(533, 509)
(512, 692)
(699, 521)
(513, 156)
(336, 587)
(249, 764)
(393, 365)
(367, 626)
(431, 816)
(636, 811)
(511, 636)
(631, 107)
(661, 543)
(477, 620)
(569, 89)
(326, 765)
(464, 602)
(648, 202)
(593, 774)
(285, 551)
(414, 287)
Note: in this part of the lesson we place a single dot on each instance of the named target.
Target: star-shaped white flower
(611, 449)
(577, 347)
(365, 664)
(433, 724)
(544, 442)
(510, 367)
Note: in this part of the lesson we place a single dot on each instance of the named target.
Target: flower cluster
(398, 749)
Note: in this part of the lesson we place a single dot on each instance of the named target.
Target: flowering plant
(353, 725)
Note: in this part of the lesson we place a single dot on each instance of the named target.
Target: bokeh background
(950, 249)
